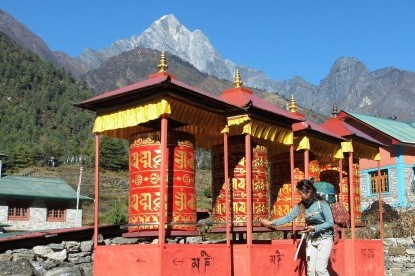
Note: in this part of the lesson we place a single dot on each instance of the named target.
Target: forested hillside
(37, 118)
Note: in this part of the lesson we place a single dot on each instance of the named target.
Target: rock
(87, 269)
(57, 246)
(58, 256)
(194, 240)
(389, 242)
(408, 242)
(64, 271)
(18, 267)
(396, 250)
(38, 269)
(80, 260)
(6, 257)
(121, 240)
(73, 246)
(86, 246)
(42, 250)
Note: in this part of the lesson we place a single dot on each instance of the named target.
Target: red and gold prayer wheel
(237, 176)
(281, 187)
(145, 163)
(330, 173)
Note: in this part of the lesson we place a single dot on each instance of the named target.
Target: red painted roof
(243, 97)
(309, 125)
(128, 93)
(125, 89)
(343, 129)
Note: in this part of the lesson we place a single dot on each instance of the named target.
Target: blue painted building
(397, 160)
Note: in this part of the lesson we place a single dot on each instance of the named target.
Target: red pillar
(292, 183)
(163, 178)
(380, 205)
(227, 198)
(248, 168)
(352, 213)
(340, 180)
(163, 182)
(96, 205)
(351, 196)
(306, 163)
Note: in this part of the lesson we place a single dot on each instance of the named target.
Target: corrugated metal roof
(401, 131)
(31, 187)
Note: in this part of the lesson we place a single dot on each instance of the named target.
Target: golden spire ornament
(237, 80)
(293, 105)
(163, 63)
(334, 112)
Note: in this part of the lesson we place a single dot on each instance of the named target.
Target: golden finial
(163, 63)
(293, 105)
(334, 112)
(237, 80)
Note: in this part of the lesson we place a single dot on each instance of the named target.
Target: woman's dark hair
(306, 186)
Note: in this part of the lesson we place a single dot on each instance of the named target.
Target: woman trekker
(319, 227)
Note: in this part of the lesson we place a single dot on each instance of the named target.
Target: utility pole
(78, 193)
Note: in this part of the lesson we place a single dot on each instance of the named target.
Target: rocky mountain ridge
(349, 84)
(28, 40)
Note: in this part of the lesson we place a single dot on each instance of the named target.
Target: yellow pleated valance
(319, 146)
(131, 117)
(347, 146)
(361, 150)
(304, 144)
(243, 124)
(204, 124)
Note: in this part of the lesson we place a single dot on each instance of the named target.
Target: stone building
(29, 203)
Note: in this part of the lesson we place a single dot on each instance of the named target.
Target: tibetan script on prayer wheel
(237, 174)
(281, 187)
(145, 164)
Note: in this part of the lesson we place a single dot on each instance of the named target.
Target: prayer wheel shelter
(164, 120)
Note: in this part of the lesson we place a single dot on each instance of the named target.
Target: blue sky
(281, 38)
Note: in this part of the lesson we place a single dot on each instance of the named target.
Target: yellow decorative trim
(377, 157)
(131, 117)
(339, 154)
(288, 139)
(304, 144)
(247, 129)
(347, 146)
(237, 120)
(225, 130)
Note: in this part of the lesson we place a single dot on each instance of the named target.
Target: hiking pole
(299, 245)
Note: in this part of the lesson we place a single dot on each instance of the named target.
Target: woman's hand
(308, 229)
(266, 223)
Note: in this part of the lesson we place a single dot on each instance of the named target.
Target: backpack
(327, 191)
(341, 216)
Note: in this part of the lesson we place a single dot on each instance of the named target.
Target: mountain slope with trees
(37, 118)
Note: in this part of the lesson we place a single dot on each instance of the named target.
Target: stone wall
(65, 258)
(399, 256)
(367, 198)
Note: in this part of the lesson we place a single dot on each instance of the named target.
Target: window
(18, 212)
(383, 181)
(56, 214)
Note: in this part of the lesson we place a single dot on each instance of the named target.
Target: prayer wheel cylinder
(237, 175)
(330, 173)
(144, 170)
(281, 186)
